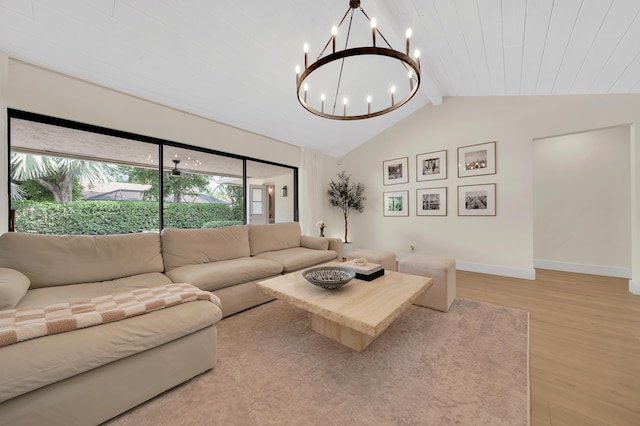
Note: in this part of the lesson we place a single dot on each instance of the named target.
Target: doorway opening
(582, 202)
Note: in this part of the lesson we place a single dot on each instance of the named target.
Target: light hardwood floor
(584, 344)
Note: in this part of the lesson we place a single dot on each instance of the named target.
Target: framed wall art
(396, 203)
(477, 200)
(396, 171)
(477, 160)
(431, 166)
(431, 201)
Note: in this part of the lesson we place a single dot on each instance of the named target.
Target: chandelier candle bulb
(368, 104)
(306, 87)
(393, 91)
(297, 73)
(408, 38)
(417, 56)
(345, 100)
(334, 31)
(306, 55)
(373, 30)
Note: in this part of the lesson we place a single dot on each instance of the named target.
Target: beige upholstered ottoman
(443, 271)
(385, 258)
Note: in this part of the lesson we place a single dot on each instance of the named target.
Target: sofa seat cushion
(216, 275)
(296, 258)
(35, 363)
(68, 293)
(49, 260)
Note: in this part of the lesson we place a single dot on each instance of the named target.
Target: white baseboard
(580, 268)
(505, 271)
(530, 274)
(634, 287)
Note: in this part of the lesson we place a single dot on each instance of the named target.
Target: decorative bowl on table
(328, 277)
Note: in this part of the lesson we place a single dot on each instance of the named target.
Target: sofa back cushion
(182, 247)
(50, 260)
(278, 236)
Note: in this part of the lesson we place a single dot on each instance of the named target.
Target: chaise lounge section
(88, 375)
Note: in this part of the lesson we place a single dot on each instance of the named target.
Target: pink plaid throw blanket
(21, 324)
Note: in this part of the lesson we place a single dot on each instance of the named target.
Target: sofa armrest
(13, 287)
(335, 244)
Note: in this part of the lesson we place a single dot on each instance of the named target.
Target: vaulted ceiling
(233, 61)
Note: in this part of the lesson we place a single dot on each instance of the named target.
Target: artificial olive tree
(348, 196)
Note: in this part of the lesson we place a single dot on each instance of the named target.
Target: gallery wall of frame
(474, 199)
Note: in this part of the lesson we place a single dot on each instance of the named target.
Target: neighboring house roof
(118, 195)
(200, 198)
(119, 191)
(122, 191)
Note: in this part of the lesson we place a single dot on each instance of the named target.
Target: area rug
(469, 366)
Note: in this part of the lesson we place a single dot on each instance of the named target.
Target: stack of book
(366, 272)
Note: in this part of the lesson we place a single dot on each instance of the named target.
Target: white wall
(34, 89)
(283, 205)
(582, 202)
(502, 244)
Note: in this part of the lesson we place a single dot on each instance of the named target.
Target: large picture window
(70, 178)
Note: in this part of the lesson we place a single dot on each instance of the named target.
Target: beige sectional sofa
(89, 375)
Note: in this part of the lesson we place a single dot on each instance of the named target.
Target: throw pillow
(316, 243)
(13, 287)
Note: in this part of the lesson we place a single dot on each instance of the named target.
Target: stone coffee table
(355, 314)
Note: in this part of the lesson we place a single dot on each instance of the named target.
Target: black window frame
(159, 142)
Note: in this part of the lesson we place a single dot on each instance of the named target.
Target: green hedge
(221, 223)
(115, 217)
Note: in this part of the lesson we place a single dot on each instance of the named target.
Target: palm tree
(58, 174)
(18, 193)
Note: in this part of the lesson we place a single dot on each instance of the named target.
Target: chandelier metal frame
(410, 64)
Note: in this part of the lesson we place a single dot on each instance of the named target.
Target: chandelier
(333, 61)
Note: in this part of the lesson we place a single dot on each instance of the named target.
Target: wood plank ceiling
(233, 61)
